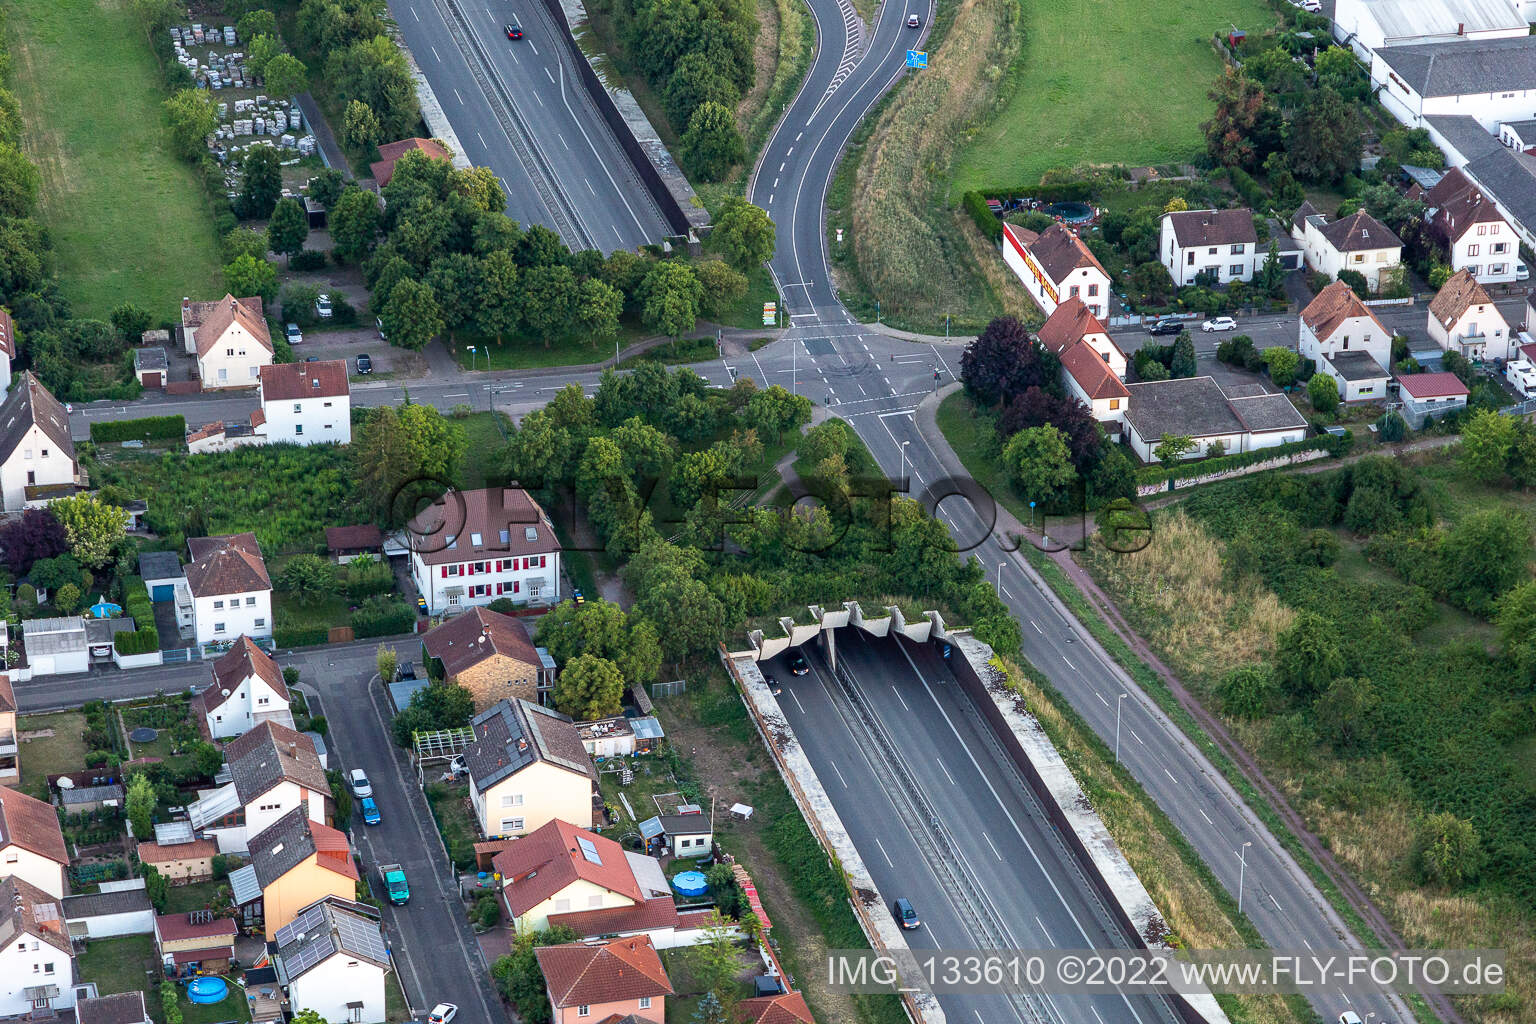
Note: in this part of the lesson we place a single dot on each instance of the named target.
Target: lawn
(973, 440)
(520, 352)
(1102, 83)
(64, 751)
(183, 899)
(129, 963)
(129, 220)
(161, 746)
(458, 826)
(486, 436)
(652, 779)
(675, 353)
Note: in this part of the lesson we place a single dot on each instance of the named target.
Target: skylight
(589, 850)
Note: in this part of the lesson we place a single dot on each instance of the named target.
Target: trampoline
(1071, 213)
(144, 734)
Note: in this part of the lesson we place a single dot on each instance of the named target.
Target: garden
(314, 595)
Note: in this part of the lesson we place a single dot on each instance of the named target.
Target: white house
(1092, 365)
(231, 591)
(31, 842)
(273, 770)
(7, 347)
(1430, 394)
(1341, 335)
(37, 453)
(37, 963)
(166, 580)
(471, 547)
(307, 403)
(1462, 318)
(1368, 25)
(1359, 242)
(1475, 233)
(247, 689)
(120, 908)
(57, 646)
(230, 338)
(332, 959)
(1055, 265)
(1492, 80)
(1238, 418)
(1222, 242)
(560, 869)
(527, 767)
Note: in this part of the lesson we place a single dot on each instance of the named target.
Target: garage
(163, 592)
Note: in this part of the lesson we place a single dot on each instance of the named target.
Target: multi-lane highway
(941, 817)
(517, 108)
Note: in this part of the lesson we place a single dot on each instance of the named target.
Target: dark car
(1166, 327)
(905, 915)
(514, 30)
(798, 666)
(364, 363)
(773, 684)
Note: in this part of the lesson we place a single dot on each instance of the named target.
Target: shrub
(149, 428)
(144, 640)
(1179, 471)
(381, 617)
(982, 215)
(488, 912)
(308, 260)
(288, 634)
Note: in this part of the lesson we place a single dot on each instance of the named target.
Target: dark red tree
(36, 535)
(1036, 408)
(1004, 361)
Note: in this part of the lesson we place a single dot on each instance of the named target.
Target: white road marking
(882, 851)
(1304, 942)
(989, 843)
(1170, 776)
(1138, 738)
(940, 762)
(539, 98)
(796, 696)
(414, 14)
(1096, 1013)
(781, 165)
(1043, 929)
(434, 54)
(999, 586)
(482, 140)
(535, 49)
(1275, 901)
(589, 185)
(458, 97)
(775, 182)
(839, 772)
(549, 76)
(1069, 663)
(567, 145)
(1032, 622)
(1099, 695)
(1207, 817)
(898, 697)
(770, 198)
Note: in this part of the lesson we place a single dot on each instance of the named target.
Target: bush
(1330, 443)
(1251, 191)
(144, 640)
(982, 215)
(381, 617)
(309, 259)
(488, 912)
(288, 634)
(149, 428)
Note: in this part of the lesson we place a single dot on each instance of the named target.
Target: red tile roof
(785, 1008)
(492, 522)
(548, 859)
(290, 382)
(221, 315)
(226, 565)
(343, 539)
(1459, 293)
(391, 152)
(197, 849)
(660, 912)
(469, 638)
(234, 667)
(1059, 252)
(31, 824)
(1092, 373)
(1332, 306)
(1432, 385)
(580, 975)
(175, 927)
(1068, 324)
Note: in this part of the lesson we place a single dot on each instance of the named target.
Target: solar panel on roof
(362, 937)
(589, 850)
(313, 950)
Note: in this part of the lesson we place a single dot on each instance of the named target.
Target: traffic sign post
(770, 314)
(917, 58)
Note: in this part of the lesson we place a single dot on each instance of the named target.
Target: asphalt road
(991, 871)
(526, 117)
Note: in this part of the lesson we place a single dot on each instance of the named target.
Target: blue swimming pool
(1072, 213)
(207, 989)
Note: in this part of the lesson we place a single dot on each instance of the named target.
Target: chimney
(1461, 28)
(186, 306)
(293, 749)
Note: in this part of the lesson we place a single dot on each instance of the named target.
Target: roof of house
(1459, 293)
(784, 1008)
(27, 910)
(1415, 18)
(391, 152)
(1263, 413)
(118, 1008)
(160, 565)
(1059, 252)
(1092, 372)
(491, 522)
(159, 853)
(1465, 134)
(176, 927)
(468, 639)
(1464, 67)
(556, 854)
(1213, 227)
(685, 824)
(1459, 204)
(578, 974)
(221, 315)
(226, 565)
(1360, 232)
(1511, 178)
(269, 754)
(1355, 366)
(194, 314)
(510, 735)
(102, 904)
(290, 382)
(327, 927)
(1432, 385)
(291, 839)
(1303, 212)
(1069, 323)
(30, 404)
(31, 824)
(234, 667)
(150, 359)
(1332, 306)
(656, 913)
(7, 333)
(362, 537)
(1187, 406)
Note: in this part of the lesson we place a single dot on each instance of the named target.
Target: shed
(99, 634)
(316, 214)
(90, 798)
(319, 742)
(161, 572)
(105, 915)
(56, 646)
(151, 366)
(679, 835)
(347, 542)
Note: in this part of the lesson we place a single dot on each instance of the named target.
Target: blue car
(370, 811)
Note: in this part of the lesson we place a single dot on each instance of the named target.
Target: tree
(130, 321)
(695, 80)
(1183, 364)
(455, 279)
(1246, 691)
(158, 14)
(1240, 131)
(709, 1011)
(247, 275)
(288, 228)
(481, 187)
(1483, 556)
(550, 294)
(774, 410)
(1282, 363)
(1486, 441)
(1323, 393)
(360, 126)
(1343, 711)
(1447, 850)
(261, 182)
(92, 527)
(1308, 656)
(589, 688)
(602, 629)
(1005, 361)
(308, 1017)
(498, 309)
(440, 705)
(598, 308)
(1323, 140)
(207, 759)
(723, 287)
(1271, 275)
(259, 52)
(191, 116)
(1173, 447)
(743, 234)
(669, 296)
(1356, 281)
(1037, 408)
(394, 448)
(326, 186)
(540, 247)
(1391, 427)
(411, 316)
(67, 598)
(259, 22)
(309, 578)
(36, 536)
(1039, 463)
(156, 888)
(711, 146)
(715, 963)
(139, 805)
(354, 223)
(286, 75)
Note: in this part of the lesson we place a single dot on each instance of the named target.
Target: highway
(518, 109)
(943, 819)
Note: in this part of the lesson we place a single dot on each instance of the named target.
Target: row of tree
(1320, 142)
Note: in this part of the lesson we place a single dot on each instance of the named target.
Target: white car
(443, 1013)
(361, 787)
(1220, 323)
(1312, 6)
(1349, 1017)
(295, 336)
(1522, 272)
(323, 306)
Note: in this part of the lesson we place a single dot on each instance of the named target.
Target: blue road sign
(917, 59)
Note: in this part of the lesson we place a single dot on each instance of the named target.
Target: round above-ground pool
(207, 989)
(1072, 213)
(690, 883)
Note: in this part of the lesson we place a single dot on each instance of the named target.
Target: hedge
(137, 605)
(1251, 191)
(308, 635)
(380, 618)
(144, 640)
(1330, 443)
(150, 428)
(981, 213)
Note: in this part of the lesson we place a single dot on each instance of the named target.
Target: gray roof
(282, 846)
(512, 734)
(119, 1008)
(1190, 406)
(101, 631)
(90, 794)
(270, 754)
(686, 824)
(1417, 18)
(100, 904)
(325, 928)
(54, 636)
(244, 886)
(1266, 412)
(1357, 366)
(1526, 129)
(173, 833)
(160, 565)
(1510, 178)
(1464, 134)
(1464, 67)
(150, 359)
(650, 828)
(29, 404)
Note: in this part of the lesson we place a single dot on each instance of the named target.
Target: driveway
(348, 343)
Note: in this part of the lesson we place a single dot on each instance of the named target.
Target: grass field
(64, 751)
(1105, 83)
(128, 219)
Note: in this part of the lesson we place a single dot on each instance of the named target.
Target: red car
(514, 31)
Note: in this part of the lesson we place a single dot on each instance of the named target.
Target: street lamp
(1242, 865)
(1000, 580)
(1118, 705)
(903, 479)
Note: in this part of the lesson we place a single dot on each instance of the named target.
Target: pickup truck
(395, 883)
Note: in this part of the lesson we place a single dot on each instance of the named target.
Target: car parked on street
(1166, 326)
(361, 787)
(1220, 323)
(371, 815)
(443, 1013)
(1522, 272)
